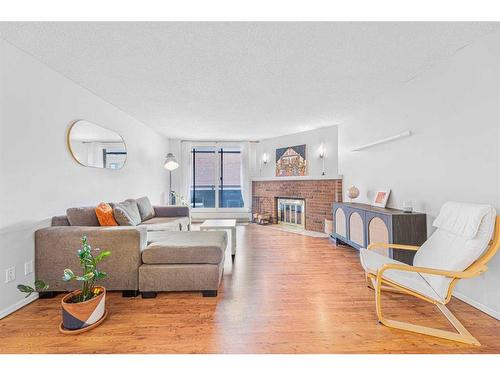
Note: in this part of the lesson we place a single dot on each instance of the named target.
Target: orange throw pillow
(104, 214)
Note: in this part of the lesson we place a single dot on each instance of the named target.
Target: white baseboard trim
(16, 306)
(477, 305)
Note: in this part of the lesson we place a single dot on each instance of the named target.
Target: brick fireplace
(319, 194)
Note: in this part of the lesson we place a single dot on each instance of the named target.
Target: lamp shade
(171, 162)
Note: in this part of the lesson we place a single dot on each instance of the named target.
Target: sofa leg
(233, 256)
(148, 294)
(209, 293)
(46, 295)
(130, 293)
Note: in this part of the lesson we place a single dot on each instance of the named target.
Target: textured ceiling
(241, 80)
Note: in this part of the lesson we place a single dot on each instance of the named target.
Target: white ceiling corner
(240, 80)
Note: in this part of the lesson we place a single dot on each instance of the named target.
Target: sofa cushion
(104, 214)
(166, 223)
(60, 221)
(187, 248)
(171, 211)
(82, 216)
(127, 213)
(146, 210)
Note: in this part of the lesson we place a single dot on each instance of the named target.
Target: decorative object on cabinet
(358, 225)
(352, 192)
(381, 197)
(291, 161)
(408, 206)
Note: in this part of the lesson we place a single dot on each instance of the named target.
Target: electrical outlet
(28, 268)
(10, 274)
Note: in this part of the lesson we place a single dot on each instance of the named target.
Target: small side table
(223, 225)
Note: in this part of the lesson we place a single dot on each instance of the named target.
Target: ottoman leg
(209, 293)
(148, 294)
(130, 293)
(46, 295)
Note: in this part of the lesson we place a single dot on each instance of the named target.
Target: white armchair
(466, 238)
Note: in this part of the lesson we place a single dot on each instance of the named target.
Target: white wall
(313, 139)
(454, 111)
(38, 176)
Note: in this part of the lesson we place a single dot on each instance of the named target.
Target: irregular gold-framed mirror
(95, 146)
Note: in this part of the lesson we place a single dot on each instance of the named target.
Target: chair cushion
(448, 251)
(104, 214)
(187, 248)
(372, 262)
(82, 216)
(461, 219)
(146, 210)
(166, 223)
(127, 213)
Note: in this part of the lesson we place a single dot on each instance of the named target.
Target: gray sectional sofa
(159, 253)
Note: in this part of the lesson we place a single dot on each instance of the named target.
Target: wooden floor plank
(287, 293)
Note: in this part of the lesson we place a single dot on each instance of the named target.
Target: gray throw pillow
(82, 216)
(127, 213)
(145, 208)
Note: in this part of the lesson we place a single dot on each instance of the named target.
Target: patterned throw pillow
(105, 216)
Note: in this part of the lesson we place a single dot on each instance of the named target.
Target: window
(216, 179)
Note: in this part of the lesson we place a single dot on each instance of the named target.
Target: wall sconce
(265, 158)
(321, 151)
(322, 155)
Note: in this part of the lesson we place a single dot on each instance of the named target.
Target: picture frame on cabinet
(381, 197)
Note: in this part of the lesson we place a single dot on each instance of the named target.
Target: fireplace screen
(291, 212)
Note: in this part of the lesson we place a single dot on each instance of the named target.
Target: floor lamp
(170, 165)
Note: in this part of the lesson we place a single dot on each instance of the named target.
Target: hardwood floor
(287, 293)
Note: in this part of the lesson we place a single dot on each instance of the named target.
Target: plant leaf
(86, 277)
(101, 275)
(102, 255)
(25, 288)
(40, 285)
(68, 275)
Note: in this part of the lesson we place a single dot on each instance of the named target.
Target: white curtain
(245, 175)
(186, 170)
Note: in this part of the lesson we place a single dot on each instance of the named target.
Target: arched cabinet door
(378, 232)
(356, 229)
(340, 222)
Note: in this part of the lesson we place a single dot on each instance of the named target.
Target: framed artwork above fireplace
(291, 161)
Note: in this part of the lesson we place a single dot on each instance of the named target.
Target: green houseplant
(85, 307)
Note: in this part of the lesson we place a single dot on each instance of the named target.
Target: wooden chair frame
(379, 283)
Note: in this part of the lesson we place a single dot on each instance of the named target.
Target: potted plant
(84, 308)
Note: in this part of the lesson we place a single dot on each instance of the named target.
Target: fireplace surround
(317, 193)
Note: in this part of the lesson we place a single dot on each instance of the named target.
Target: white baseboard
(477, 305)
(16, 306)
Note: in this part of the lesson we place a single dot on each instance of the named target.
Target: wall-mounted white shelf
(385, 140)
(297, 178)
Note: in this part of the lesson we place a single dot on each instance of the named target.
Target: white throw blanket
(462, 219)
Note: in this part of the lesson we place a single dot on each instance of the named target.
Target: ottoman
(183, 261)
